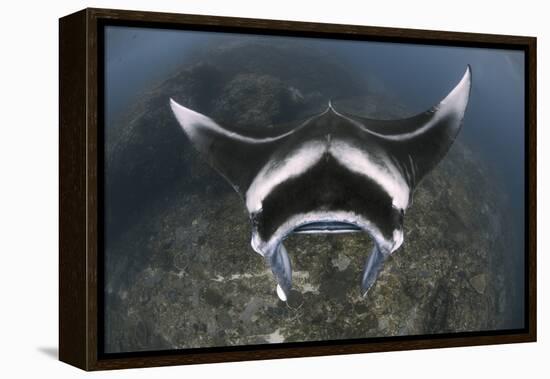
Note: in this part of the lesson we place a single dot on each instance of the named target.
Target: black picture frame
(81, 180)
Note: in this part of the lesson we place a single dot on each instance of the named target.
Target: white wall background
(28, 190)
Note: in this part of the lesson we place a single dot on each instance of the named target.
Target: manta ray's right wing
(418, 143)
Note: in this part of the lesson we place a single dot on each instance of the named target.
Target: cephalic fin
(279, 263)
(374, 265)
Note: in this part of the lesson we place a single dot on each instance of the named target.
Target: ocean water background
(419, 76)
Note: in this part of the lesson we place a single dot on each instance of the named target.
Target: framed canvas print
(237, 189)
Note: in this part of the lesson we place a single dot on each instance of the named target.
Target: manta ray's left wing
(235, 156)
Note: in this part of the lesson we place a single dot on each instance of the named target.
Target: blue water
(494, 125)
(137, 58)
(418, 75)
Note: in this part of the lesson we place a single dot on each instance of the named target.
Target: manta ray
(333, 173)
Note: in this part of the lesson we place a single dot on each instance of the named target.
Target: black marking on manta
(334, 173)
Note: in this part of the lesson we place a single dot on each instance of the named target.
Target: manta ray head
(333, 173)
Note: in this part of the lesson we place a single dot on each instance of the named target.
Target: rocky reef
(179, 269)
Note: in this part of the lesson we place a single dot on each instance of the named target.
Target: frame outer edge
(92, 161)
(531, 109)
(78, 162)
(72, 215)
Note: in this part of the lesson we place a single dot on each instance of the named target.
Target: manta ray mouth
(332, 227)
(321, 222)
